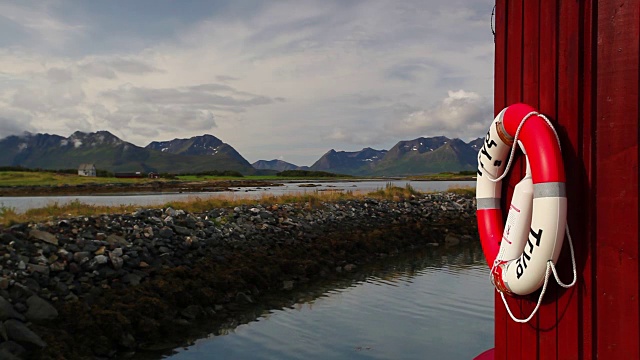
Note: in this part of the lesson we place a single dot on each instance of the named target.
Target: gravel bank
(109, 286)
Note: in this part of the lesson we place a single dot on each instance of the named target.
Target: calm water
(21, 204)
(433, 304)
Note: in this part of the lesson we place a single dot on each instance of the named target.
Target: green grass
(394, 192)
(19, 178)
(8, 216)
(466, 191)
(209, 177)
(451, 176)
(23, 178)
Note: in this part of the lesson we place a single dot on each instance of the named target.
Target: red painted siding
(499, 102)
(548, 51)
(577, 62)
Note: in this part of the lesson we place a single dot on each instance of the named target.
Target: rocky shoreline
(113, 285)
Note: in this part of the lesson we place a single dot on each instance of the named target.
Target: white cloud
(461, 114)
(280, 78)
(108, 67)
(14, 122)
(39, 26)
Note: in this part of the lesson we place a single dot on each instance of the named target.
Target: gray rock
(40, 310)
(166, 232)
(12, 348)
(243, 298)
(8, 312)
(117, 240)
(100, 259)
(131, 278)
(43, 236)
(32, 285)
(81, 257)
(116, 261)
(102, 346)
(451, 240)
(3, 332)
(43, 269)
(191, 312)
(349, 267)
(182, 322)
(127, 341)
(57, 266)
(6, 355)
(7, 239)
(182, 230)
(19, 291)
(20, 307)
(20, 333)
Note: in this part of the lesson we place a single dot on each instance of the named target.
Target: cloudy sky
(275, 79)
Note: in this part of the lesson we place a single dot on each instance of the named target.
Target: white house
(87, 170)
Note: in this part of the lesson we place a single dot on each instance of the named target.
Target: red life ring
(519, 263)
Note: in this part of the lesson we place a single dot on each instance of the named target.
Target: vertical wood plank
(530, 349)
(547, 337)
(500, 68)
(617, 310)
(569, 62)
(548, 57)
(584, 236)
(514, 81)
(531, 53)
(500, 102)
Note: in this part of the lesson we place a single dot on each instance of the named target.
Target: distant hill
(349, 163)
(110, 153)
(309, 173)
(427, 156)
(204, 145)
(198, 145)
(277, 165)
(476, 144)
(207, 153)
(411, 157)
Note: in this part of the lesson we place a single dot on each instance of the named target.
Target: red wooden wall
(577, 62)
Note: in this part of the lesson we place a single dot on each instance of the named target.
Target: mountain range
(277, 165)
(411, 157)
(106, 151)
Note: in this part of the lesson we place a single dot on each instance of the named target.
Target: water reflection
(433, 303)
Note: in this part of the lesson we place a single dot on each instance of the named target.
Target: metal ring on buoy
(518, 253)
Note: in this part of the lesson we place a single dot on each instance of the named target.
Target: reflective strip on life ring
(525, 273)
